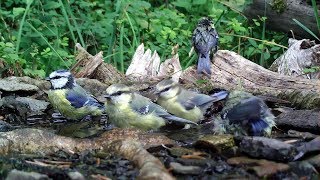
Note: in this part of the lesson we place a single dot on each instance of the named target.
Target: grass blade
(135, 43)
(247, 37)
(316, 14)
(45, 40)
(64, 12)
(121, 59)
(263, 34)
(76, 26)
(191, 60)
(22, 24)
(306, 29)
(113, 35)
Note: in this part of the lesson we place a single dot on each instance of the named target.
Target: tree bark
(282, 21)
(232, 71)
(229, 71)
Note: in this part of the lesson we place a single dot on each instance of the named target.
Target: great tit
(129, 109)
(205, 39)
(244, 113)
(70, 99)
(184, 103)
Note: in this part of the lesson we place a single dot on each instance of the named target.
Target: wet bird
(244, 113)
(70, 99)
(129, 109)
(184, 103)
(205, 40)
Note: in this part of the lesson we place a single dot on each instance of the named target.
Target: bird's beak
(47, 79)
(156, 92)
(107, 96)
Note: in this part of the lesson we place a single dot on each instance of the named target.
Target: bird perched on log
(129, 109)
(205, 40)
(244, 113)
(184, 103)
(70, 99)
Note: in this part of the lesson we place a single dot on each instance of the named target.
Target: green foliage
(312, 69)
(279, 5)
(39, 36)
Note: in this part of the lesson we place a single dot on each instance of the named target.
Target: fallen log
(232, 71)
(300, 55)
(229, 71)
(280, 15)
(89, 66)
(128, 143)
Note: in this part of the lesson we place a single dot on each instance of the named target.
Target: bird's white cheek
(59, 83)
(168, 94)
(122, 99)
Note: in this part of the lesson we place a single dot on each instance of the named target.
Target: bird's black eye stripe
(165, 89)
(56, 77)
(117, 93)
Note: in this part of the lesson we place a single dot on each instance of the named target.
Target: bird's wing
(145, 106)
(204, 40)
(248, 109)
(78, 98)
(190, 100)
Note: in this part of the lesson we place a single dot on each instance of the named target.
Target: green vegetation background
(39, 36)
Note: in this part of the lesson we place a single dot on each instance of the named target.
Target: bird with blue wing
(185, 103)
(205, 40)
(244, 113)
(127, 109)
(70, 99)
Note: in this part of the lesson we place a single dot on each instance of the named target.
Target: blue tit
(205, 39)
(70, 99)
(245, 113)
(127, 109)
(184, 103)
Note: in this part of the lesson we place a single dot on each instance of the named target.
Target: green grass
(47, 42)
(64, 13)
(29, 2)
(306, 29)
(121, 59)
(316, 14)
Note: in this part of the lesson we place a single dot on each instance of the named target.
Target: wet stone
(272, 149)
(303, 169)
(181, 169)
(12, 85)
(76, 176)
(4, 126)
(34, 104)
(216, 142)
(180, 151)
(17, 175)
(261, 168)
(315, 161)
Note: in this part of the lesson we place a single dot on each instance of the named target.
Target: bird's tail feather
(204, 64)
(258, 126)
(179, 120)
(220, 95)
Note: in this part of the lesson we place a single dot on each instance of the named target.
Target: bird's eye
(117, 93)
